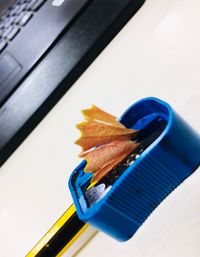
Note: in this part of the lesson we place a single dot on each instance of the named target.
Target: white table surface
(156, 54)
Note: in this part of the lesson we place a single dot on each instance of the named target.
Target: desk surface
(156, 54)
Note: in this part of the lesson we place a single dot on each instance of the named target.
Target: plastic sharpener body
(162, 166)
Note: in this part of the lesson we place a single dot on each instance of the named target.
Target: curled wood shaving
(104, 140)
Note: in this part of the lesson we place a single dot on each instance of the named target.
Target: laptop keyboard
(17, 16)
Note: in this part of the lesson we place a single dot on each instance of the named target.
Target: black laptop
(45, 45)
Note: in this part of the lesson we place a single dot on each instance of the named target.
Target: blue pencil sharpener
(169, 152)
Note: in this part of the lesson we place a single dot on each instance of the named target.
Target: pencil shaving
(104, 140)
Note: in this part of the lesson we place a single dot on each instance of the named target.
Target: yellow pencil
(66, 237)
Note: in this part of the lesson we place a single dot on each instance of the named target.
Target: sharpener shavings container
(172, 155)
